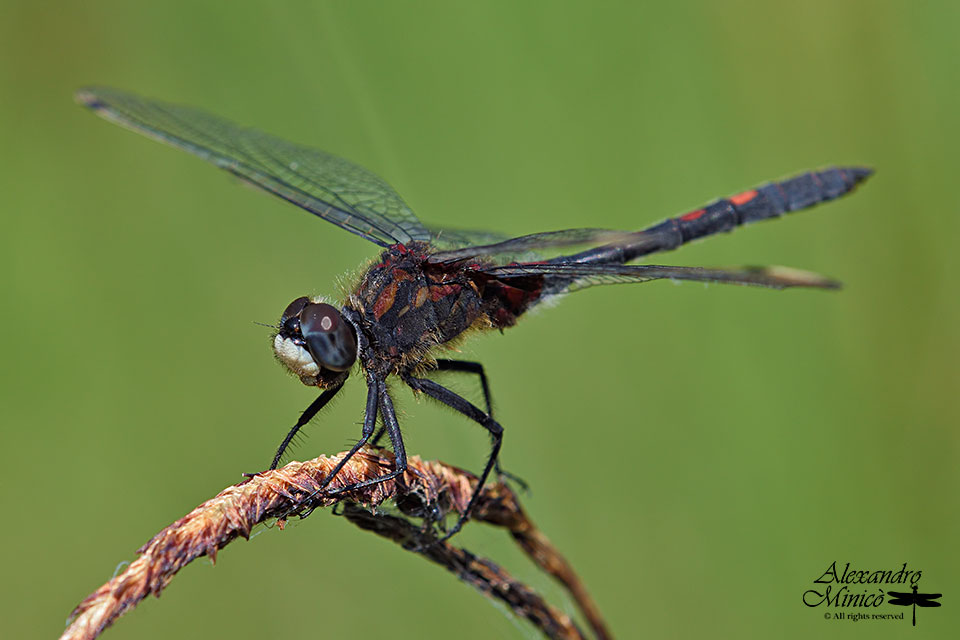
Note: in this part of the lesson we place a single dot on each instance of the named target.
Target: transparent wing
(493, 244)
(330, 187)
(449, 239)
(570, 277)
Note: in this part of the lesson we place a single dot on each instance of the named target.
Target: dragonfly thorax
(315, 342)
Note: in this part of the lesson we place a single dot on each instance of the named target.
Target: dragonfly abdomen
(771, 200)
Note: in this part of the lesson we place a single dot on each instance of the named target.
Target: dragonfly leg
(374, 389)
(378, 399)
(454, 401)
(463, 366)
(377, 395)
(467, 366)
(382, 398)
(306, 417)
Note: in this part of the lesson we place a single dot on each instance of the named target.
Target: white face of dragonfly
(313, 339)
(296, 358)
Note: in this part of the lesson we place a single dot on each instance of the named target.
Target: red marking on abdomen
(743, 198)
(516, 297)
(693, 215)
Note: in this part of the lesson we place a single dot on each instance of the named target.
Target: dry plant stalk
(428, 490)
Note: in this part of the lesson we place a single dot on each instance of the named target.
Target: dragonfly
(433, 286)
(915, 599)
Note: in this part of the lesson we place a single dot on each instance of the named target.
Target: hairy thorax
(408, 306)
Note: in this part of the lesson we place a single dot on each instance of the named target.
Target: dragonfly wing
(449, 239)
(328, 186)
(530, 244)
(570, 277)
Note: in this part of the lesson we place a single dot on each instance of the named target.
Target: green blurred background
(701, 454)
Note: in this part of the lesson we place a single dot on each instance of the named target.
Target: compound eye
(329, 339)
(294, 308)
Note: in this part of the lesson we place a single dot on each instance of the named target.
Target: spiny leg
(468, 366)
(306, 417)
(374, 388)
(396, 439)
(376, 439)
(463, 366)
(454, 401)
(377, 397)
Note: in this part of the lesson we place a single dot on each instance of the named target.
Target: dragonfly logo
(854, 595)
(916, 600)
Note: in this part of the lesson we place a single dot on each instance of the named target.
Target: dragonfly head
(315, 342)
